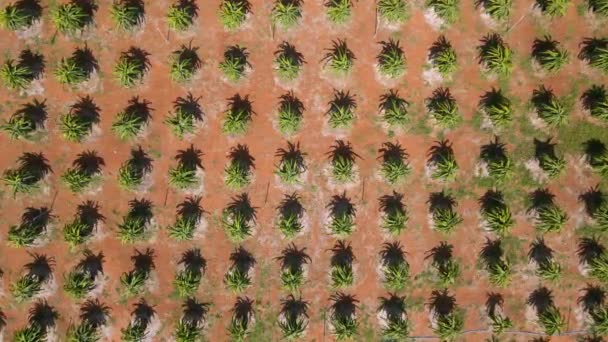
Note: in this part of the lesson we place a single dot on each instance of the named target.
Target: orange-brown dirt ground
(315, 90)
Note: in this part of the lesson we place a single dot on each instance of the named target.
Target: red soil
(311, 38)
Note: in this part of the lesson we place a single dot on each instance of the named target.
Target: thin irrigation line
(511, 332)
(532, 333)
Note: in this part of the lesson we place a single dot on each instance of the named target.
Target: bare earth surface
(315, 89)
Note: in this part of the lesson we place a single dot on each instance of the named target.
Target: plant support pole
(363, 190)
(376, 19)
(521, 19)
(162, 35)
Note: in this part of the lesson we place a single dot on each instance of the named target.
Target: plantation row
(239, 216)
(392, 258)
(494, 55)
(73, 16)
(293, 319)
(494, 164)
(86, 276)
(497, 110)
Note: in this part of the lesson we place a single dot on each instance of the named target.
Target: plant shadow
(242, 260)
(191, 209)
(393, 203)
(36, 165)
(194, 313)
(593, 297)
(193, 261)
(94, 313)
(241, 205)
(86, 109)
(84, 58)
(441, 254)
(441, 201)
(539, 252)
(40, 267)
(440, 151)
(43, 315)
(341, 206)
(393, 306)
(392, 254)
(341, 150)
(291, 206)
(342, 254)
(240, 155)
(189, 105)
(89, 162)
(143, 261)
(442, 303)
(242, 311)
(589, 248)
(142, 313)
(541, 299)
(287, 50)
(293, 258)
(293, 308)
(391, 152)
(494, 302)
(34, 62)
(35, 112)
(190, 158)
(540, 198)
(343, 305)
(593, 199)
(492, 252)
(91, 264)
